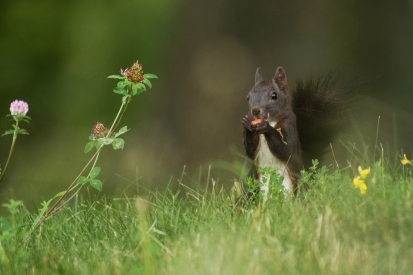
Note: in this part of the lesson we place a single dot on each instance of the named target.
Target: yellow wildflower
(364, 173)
(363, 188)
(357, 182)
(405, 160)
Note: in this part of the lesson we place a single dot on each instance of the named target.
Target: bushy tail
(321, 105)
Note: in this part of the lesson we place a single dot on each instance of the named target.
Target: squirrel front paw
(259, 126)
(262, 127)
(246, 122)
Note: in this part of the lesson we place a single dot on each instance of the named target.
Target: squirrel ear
(280, 78)
(258, 76)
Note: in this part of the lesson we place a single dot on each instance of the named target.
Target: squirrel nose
(255, 111)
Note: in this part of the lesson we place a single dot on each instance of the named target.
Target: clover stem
(114, 122)
(124, 110)
(53, 208)
(94, 163)
(95, 157)
(16, 130)
(66, 201)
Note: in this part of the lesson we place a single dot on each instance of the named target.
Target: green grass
(330, 229)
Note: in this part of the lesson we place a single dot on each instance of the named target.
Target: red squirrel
(286, 130)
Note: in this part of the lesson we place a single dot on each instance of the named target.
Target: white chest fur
(265, 158)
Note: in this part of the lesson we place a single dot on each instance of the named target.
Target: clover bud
(134, 73)
(99, 130)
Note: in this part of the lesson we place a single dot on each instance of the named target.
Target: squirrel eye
(274, 96)
(248, 97)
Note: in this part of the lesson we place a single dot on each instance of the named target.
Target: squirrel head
(270, 99)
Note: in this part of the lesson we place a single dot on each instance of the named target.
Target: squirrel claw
(262, 127)
(246, 122)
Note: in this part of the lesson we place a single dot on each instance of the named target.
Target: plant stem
(114, 122)
(50, 212)
(64, 203)
(11, 149)
(95, 157)
(124, 110)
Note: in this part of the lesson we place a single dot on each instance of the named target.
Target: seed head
(134, 73)
(99, 130)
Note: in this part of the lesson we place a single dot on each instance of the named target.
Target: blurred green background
(56, 55)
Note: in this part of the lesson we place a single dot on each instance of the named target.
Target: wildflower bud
(405, 161)
(363, 173)
(19, 108)
(99, 130)
(134, 73)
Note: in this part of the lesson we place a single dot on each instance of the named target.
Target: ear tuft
(280, 78)
(258, 75)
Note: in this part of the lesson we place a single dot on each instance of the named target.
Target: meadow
(343, 220)
(330, 227)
